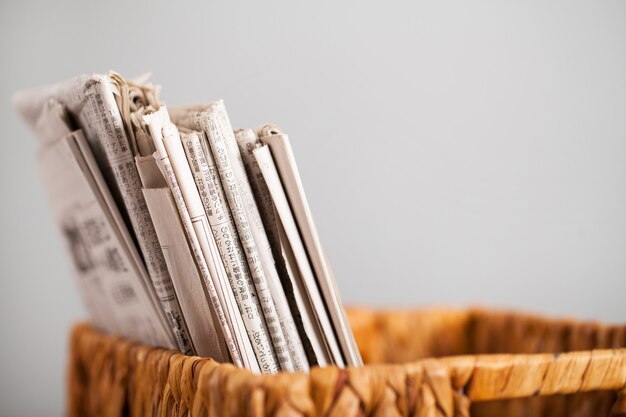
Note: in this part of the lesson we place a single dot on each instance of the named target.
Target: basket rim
(480, 377)
(150, 380)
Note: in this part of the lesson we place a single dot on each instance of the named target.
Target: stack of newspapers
(184, 232)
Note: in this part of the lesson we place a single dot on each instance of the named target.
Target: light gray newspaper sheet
(209, 186)
(90, 101)
(285, 162)
(299, 261)
(306, 322)
(172, 161)
(205, 333)
(213, 121)
(104, 259)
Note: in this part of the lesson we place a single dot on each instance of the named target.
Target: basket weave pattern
(420, 363)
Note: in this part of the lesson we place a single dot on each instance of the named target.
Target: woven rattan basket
(419, 363)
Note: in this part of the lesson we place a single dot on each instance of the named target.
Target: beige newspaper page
(203, 166)
(287, 222)
(117, 300)
(248, 141)
(176, 153)
(90, 101)
(131, 101)
(319, 350)
(206, 337)
(150, 173)
(199, 244)
(212, 119)
(286, 165)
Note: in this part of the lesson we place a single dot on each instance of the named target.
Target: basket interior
(405, 336)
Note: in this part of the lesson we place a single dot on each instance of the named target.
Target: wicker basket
(488, 364)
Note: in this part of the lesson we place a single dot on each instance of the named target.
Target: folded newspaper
(186, 233)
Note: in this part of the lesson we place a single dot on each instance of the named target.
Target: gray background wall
(453, 152)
